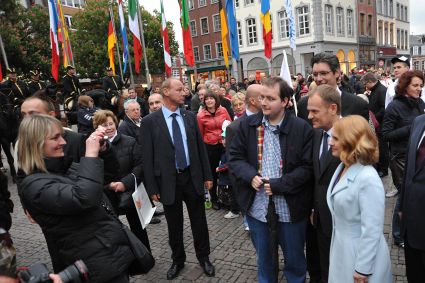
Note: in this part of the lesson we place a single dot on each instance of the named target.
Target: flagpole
(111, 14)
(3, 52)
(130, 69)
(142, 38)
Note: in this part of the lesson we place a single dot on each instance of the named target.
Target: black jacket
(71, 86)
(377, 101)
(85, 120)
(398, 119)
(129, 128)
(296, 138)
(113, 83)
(6, 204)
(34, 86)
(69, 205)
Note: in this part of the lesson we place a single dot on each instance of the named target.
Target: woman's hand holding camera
(94, 142)
(117, 186)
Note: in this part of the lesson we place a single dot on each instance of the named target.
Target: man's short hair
(128, 102)
(329, 95)
(326, 58)
(369, 77)
(285, 91)
(47, 102)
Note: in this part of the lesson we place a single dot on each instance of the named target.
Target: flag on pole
(290, 15)
(63, 37)
(267, 27)
(164, 32)
(111, 44)
(233, 29)
(286, 76)
(124, 35)
(54, 45)
(187, 37)
(133, 23)
(224, 33)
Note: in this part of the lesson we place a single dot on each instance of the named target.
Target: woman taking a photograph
(210, 120)
(67, 202)
(356, 199)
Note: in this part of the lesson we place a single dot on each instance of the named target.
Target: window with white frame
(340, 21)
(398, 38)
(207, 52)
(214, 1)
(252, 31)
(385, 8)
(202, 3)
(405, 13)
(196, 53)
(239, 33)
(303, 20)
(193, 28)
(401, 12)
(283, 24)
(423, 50)
(216, 23)
(73, 3)
(204, 26)
(423, 65)
(328, 19)
(190, 5)
(350, 31)
(406, 40)
(415, 50)
(249, 2)
(391, 8)
(219, 49)
(397, 9)
(379, 6)
(68, 21)
(416, 65)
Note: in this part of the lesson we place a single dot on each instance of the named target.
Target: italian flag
(164, 32)
(187, 37)
(133, 24)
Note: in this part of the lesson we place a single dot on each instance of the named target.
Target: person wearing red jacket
(210, 120)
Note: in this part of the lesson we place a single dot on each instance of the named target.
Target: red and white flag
(54, 45)
(133, 23)
(164, 32)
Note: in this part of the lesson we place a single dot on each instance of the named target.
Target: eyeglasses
(322, 74)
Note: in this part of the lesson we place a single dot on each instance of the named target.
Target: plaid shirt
(270, 165)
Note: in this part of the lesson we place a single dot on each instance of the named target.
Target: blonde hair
(358, 142)
(84, 100)
(101, 116)
(33, 132)
(239, 96)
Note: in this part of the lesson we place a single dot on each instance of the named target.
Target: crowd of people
(301, 164)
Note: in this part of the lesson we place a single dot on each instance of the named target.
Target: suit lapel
(316, 151)
(416, 139)
(162, 125)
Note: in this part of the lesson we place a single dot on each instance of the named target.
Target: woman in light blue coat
(356, 199)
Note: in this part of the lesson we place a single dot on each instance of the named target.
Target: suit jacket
(159, 165)
(295, 138)
(357, 204)
(350, 105)
(322, 178)
(413, 190)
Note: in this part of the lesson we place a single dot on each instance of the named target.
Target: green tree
(25, 34)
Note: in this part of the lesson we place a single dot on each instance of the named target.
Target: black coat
(322, 178)
(295, 138)
(75, 145)
(129, 128)
(71, 86)
(159, 164)
(113, 83)
(34, 86)
(377, 101)
(6, 204)
(398, 119)
(69, 205)
(85, 120)
(350, 105)
(412, 191)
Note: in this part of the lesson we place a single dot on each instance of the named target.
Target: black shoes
(216, 206)
(174, 271)
(208, 268)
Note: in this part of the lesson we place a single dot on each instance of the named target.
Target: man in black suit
(176, 169)
(412, 208)
(324, 108)
(326, 70)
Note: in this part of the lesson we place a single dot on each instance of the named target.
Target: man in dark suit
(412, 208)
(326, 70)
(176, 169)
(111, 83)
(324, 108)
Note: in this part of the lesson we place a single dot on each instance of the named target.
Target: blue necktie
(178, 144)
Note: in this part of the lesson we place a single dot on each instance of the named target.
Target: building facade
(417, 51)
(321, 26)
(366, 15)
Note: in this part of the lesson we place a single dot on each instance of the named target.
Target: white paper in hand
(144, 207)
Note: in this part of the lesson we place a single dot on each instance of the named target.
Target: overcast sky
(172, 13)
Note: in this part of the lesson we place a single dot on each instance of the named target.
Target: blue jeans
(291, 238)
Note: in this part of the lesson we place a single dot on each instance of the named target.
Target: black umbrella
(272, 222)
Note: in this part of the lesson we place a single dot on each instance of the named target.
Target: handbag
(144, 260)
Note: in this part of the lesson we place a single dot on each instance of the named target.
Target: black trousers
(397, 165)
(198, 221)
(312, 252)
(136, 226)
(214, 154)
(384, 160)
(415, 263)
(324, 245)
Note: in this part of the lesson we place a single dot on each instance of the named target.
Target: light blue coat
(357, 205)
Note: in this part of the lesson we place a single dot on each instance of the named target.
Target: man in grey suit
(412, 208)
(324, 109)
(176, 169)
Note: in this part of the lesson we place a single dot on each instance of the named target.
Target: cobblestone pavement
(231, 250)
